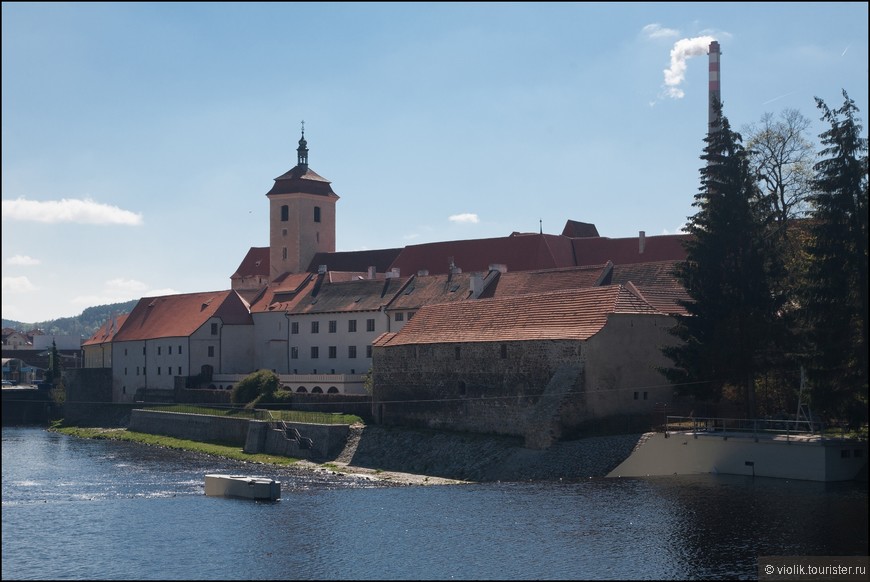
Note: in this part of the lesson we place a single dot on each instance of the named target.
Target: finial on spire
(302, 150)
(541, 226)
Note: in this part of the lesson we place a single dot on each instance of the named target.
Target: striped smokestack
(715, 94)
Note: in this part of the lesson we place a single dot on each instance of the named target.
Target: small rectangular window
(503, 351)
(399, 316)
(158, 351)
(315, 327)
(214, 329)
(210, 351)
(179, 350)
(158, 370)
(333, 326)
(294, 327)
(170, 350)
(315, 352)
(369, 351)
(351, 352)
(294, 353)
(333, 352)
(636, 396)
(370, 325)
(351, 325)
(179, 370)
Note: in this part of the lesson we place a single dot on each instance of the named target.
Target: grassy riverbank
(216, 449)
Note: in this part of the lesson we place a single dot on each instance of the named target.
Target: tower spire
(302, 150)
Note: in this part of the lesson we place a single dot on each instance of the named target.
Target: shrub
(252, 386)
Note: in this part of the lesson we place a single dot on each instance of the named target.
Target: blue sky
(139, 140)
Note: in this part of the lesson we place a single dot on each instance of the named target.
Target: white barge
(241, 486)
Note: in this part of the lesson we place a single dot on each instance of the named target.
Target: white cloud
(657, 31)
(68, 210)
(22, 261)
(17, 285)
(683, 49)
(464, 218)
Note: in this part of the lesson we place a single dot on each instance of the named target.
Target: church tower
(301, 217)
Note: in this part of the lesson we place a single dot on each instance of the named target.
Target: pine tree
(836, 289)
(731, 330)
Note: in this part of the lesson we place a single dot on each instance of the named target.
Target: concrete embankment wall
(327, 441)
(688, 454)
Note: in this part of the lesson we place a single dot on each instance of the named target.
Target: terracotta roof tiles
(576, 314)
(181, 315)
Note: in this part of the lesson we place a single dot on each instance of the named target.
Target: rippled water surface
(92, 509)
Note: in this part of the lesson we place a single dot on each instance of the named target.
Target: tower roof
(301, 179)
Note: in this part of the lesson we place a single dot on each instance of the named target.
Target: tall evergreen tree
(836, 288)
(731, 327)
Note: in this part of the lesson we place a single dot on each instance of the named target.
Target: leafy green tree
(835, 306)
(731, 332)
(255, 385)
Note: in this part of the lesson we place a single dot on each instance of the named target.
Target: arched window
(332, 390)
(302, 390)
(317, 390)
(285, 213)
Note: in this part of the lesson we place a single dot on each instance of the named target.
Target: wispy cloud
(17, 285)
(68, 210)
(683, 50)
(467, 218)
(22, 261)
(658, 31)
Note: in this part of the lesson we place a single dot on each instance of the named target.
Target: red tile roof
(181, 315)
(522, 252)
(107, 331)
(282, 293)
(255, 263)
(575, 229)
(621, 251)
(543, 280)
(576, 314)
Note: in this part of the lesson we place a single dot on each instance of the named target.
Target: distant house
(15, 340)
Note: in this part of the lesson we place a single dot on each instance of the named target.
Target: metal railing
(755, 427)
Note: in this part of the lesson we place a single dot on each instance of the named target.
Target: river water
(78, 509)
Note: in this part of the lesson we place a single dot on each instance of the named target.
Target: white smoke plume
(676, 73)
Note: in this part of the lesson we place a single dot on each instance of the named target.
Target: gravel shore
(436, 457)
